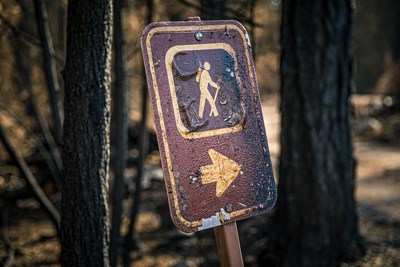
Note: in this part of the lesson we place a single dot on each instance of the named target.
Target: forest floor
(29, 239)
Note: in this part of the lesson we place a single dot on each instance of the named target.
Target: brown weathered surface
(206, 102)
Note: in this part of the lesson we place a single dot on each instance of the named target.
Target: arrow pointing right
(223, 171)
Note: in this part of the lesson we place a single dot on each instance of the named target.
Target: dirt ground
(29, 239)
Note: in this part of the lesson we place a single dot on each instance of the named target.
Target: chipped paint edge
(215, 220)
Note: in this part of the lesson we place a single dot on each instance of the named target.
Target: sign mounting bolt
(198, 36)
(229, 207)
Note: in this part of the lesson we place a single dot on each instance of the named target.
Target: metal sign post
(228, 245)
(209, 125)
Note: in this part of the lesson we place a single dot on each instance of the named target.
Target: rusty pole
(228, 245)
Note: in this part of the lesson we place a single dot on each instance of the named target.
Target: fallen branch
(52, 157)
(7, 262)
(17, 31)
(27, 174)
(10, 257)
(25, 36)
(49, 65)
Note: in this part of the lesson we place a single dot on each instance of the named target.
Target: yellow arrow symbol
(223, 171)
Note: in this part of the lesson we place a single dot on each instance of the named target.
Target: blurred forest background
(32, 58)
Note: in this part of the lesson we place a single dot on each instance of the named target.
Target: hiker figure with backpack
(204, 79)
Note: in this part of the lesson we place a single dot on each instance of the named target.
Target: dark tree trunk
(213, 9)
(315, 221)
(252, 7)
(121, 132)
(396, 34)
(84, 224)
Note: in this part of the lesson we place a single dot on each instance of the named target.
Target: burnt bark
(316, 221)
(84, 224)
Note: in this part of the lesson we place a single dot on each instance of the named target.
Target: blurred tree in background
(315, 222)
(377, 46)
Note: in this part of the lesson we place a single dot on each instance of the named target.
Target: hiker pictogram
(204, 79)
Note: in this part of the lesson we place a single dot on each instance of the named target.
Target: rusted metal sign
(209, 123)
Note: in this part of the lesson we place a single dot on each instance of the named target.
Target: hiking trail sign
(209, 123)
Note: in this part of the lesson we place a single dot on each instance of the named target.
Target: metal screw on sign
(198, 36)
(210, 129)
(229, 207)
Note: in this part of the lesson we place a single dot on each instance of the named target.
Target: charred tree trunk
(84, 224)
(315, 221)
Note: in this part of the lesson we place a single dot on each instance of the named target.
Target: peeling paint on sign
(215, 220)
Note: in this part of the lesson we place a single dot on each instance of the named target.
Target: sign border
(150, 31)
